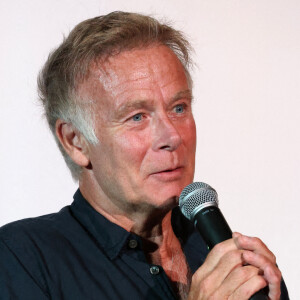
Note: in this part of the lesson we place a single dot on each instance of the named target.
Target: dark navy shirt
(77, 254)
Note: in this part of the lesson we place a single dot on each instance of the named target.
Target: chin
(166, 204)
(165, 194)
(168, 198)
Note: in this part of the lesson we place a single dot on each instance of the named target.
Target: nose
(166, 136)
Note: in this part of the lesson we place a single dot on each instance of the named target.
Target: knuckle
(247, 293)
(219, 248)
(257, 241)
(264, 260)
(273, 257)
(275, 272)
(199, 274)
(247, 272)
(271, 267)
(279, 274)
(260, 279)
(234, 255)
(196, 278)
(252, 271)
(277, 277)
(261, 282)
(243, 273)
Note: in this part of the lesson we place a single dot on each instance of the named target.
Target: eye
(137, 117)
(179, 109)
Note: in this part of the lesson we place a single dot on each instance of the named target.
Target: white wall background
(247, 89)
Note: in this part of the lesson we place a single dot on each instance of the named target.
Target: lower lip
(169, 175)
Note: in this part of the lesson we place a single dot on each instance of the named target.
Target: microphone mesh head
(196, 196)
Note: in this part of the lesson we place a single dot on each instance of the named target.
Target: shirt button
(154, 270)
(132, 244)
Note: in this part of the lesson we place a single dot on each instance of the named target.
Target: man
(118, 99)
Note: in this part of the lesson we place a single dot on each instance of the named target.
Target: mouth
(169, 174)
(170, 170)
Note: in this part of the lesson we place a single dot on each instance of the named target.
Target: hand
(236, 269)
(260, 256)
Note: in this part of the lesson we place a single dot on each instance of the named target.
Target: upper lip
(167, 169)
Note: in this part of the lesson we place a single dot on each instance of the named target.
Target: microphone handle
(214, 229)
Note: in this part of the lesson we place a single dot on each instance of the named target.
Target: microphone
(198, 202)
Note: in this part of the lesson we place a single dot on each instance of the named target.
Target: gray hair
(94, 39)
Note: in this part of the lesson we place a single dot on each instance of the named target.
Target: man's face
(146, 130)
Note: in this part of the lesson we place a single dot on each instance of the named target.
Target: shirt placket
(153, 275)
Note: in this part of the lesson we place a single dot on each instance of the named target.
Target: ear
(73, 142)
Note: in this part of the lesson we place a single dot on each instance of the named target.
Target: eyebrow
(127, 107)
(183, 94)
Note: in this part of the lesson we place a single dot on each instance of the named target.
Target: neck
(160, 244)
(165, 249)
(141, 218)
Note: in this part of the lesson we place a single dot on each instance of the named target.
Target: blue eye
(179, 109)
(137, 117)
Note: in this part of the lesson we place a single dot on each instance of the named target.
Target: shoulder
(27, 249)
(37, 232)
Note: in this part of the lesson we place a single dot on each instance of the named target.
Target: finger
(215, 256)
(235, 280)
(248, 288)
(274, 280)
(254, 244)
(208, 282)
(270, 271)
(230, 261)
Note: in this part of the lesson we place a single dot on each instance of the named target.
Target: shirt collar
(112, 238)
(108, 235)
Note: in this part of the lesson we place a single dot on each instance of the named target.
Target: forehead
(139, 73)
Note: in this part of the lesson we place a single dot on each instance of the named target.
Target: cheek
(188, 134)
(129, 148)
